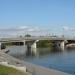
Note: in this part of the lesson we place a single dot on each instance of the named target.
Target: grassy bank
(4, 70)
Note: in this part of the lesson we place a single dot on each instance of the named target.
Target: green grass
(4, 70)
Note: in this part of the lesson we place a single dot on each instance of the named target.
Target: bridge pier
(31, 47)
(24, 43)
(34, 47)
(62, 45)
(59, 45)
(28, 50)
(0, 45)
(26, 47)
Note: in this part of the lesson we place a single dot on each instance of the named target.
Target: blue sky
(52, 14)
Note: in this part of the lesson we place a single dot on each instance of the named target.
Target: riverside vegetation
(45, 44)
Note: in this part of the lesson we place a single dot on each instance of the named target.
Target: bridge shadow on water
(42, 52)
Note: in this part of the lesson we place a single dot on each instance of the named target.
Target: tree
(27, 35)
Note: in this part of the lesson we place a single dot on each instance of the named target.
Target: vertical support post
(24, 45)
(28, 50)
(0, 45)
(24, 42)
(34, 47)
(62, 45)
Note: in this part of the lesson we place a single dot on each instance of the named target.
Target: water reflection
(20, 51)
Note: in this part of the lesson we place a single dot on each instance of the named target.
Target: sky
(42, 16)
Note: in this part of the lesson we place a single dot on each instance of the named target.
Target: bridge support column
(0, 45)
(24, 45)
(34, 48)
(62, 45)
(24, 42)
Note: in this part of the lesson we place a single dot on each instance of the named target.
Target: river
(62, 60)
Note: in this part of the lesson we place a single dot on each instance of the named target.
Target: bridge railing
(35, 38)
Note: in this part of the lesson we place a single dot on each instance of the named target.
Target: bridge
(31, 42)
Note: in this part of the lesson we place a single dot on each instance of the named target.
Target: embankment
(32, 69)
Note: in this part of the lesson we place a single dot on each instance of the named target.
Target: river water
(62, 60)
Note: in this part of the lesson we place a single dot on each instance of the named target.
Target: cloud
(22, 30)
(66, 28)
(31, 30)
(22, 27)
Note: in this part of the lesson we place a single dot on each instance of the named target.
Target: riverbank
(31, 69)
(39, 70)
(5, 70)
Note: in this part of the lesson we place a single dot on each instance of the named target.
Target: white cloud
(14, 29)
(31, 30)
(22, 30)
(66, 28)
(22, 27)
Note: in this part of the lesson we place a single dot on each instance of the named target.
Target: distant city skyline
(42, 16)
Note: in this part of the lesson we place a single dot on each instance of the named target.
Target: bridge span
(31, 42)
(35, 38)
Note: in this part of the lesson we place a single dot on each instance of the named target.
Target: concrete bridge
(31, 42)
